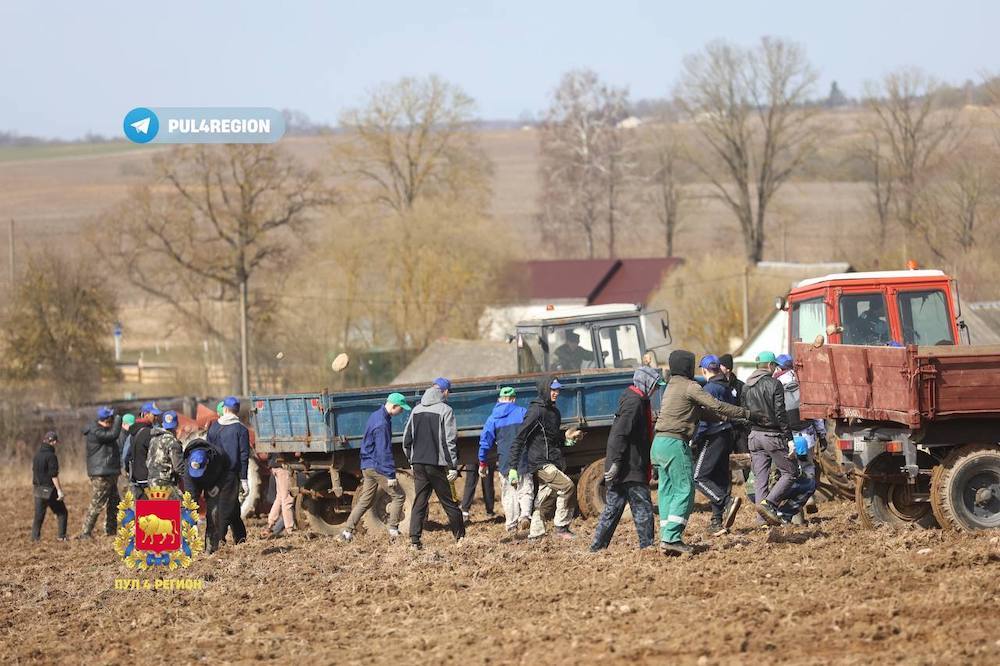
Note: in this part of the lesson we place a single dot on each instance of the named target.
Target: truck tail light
(894, 447)
(845, 444)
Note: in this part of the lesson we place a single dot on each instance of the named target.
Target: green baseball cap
(398, 400)
(508, 392)
(766, 357)
(128, 419)
(221, 407)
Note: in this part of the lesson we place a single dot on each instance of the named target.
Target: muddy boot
(524, 524)
(798, 519)
(769, 513)
(729, 513)
(675, 548)
(564, 533)
(715, 527)
(811, 506)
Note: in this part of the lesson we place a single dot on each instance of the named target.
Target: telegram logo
(141, 125)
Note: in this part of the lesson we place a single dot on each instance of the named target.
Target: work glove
(392, 483)
(484, 470)
(452, 475)
(59, 495)
(791, 448)
(513, 478)
(573, 435)
(245, 485)
(612, 472)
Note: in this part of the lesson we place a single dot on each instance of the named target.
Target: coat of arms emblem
(159, 530)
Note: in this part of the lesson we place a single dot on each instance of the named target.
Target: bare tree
(917, 133)
(211, 220)
(587, 163)
(750, 108)
(414, 139)
(663, 170)
(959, 208)
(872, 152)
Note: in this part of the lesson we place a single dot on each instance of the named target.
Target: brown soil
(826, 592)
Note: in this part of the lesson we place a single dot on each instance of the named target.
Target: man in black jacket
(205, 468)
(540, 434)
(135, 460)
(736, 386)
(103, 467)
(626, 466)
(46, 488)
(770, 437)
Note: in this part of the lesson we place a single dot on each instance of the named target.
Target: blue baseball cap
(709, 362)
(104, 413)
(785, 361)
(555, 385)
(443, 383)
(169, 420)
(231, 402)
(151, 408)
(197, 462)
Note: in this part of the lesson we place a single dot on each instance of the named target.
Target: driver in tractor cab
(570, 355)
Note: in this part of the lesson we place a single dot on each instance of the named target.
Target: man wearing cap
(807, 434)
(378, 467)
(770, 437)
(124, 440)
(135, 459)
(713, 444)
(684, 404)
(626, 465)
(232, 439)
(165, 458)
(430, 442)
(499, 431)
(204, 468)
(103, 468)
(542, 439)
(46, 489)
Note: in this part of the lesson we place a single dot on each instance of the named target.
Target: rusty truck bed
(911, 386)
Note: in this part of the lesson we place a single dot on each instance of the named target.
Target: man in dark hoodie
(500, 430)
(684, 404)
(204, 469)
(627, 462)
(103, 467)
(541, 437)
(430, 442)
(713, 442)
(232, 439)
(770, 437)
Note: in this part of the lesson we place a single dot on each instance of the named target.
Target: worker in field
(770, 438)
(378, 467)
(712, 446)
(543, 440)
(684, 404)
(103, 468)
(205, 468)
(124, 441)
(430, 442)
(46, 489)
(483, 475)
(499, 431)
(626, 463)
(135, 458)
(571, 356)
(808, 435)
(165, 458)
(232, 439)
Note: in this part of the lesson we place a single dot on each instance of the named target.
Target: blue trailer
(320, 434)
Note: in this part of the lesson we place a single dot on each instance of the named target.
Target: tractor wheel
(376, 519)
(590, 489)
(965, 488)
(894, 502)
(325, 511)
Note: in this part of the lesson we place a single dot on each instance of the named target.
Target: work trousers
(469, 493)
(284, 504)
(802, 489)
(58, 507)
(517, 500)
(371, 480)
(766, 449)
(639, 500)
(556, 495)
(672, 459)
(425, 479)
(225, 509)
(711, 470)
(103, 497)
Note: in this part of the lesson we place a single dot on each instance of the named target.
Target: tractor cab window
(571, 348)
(864, 319)
(620, 346)
(529, 353)
(808, 319)
(924, 316)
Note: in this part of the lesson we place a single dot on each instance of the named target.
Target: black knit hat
(726, 361)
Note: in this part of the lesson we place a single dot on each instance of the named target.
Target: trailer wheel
(324, 511)
(590, 490)
(965, 488)
(881, 502)
(376, 519)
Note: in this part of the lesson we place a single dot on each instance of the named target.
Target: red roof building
(593, 281)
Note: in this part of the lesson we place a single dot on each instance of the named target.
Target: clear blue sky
(71, 67)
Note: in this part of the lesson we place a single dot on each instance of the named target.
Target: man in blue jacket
(232, 439)
(379, 464)
(500, 430)
(713, 444)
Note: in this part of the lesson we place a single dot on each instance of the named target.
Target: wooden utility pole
(746, 303)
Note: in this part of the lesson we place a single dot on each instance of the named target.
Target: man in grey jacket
(430, 442)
